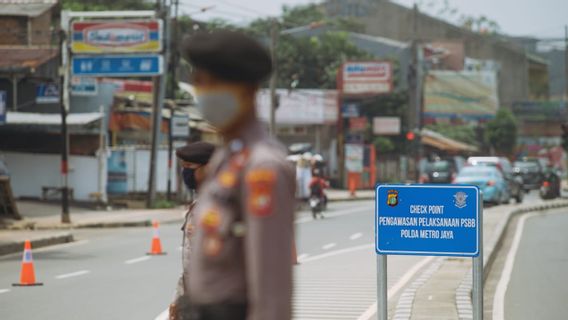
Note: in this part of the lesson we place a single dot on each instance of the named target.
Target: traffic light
(564, 128)
(410, 136)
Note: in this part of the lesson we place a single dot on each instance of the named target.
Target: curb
(464, 291)
(15, 247)
(94, 225)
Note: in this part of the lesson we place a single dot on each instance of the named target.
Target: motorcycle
(550, 187)
(317, 206)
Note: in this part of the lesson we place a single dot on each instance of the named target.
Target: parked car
(490, 181)
(514, 183)
(440, 171)
(531, 171)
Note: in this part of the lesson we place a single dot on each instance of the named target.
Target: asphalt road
(538, 284)
(106, 274)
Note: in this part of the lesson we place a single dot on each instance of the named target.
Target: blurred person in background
(194, 158)
(241, 265)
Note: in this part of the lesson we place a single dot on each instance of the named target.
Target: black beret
(196, 152)
(230, 55)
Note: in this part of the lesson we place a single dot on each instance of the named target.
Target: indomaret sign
(116, 36)
(366, 77)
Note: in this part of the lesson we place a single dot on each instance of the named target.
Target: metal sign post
(429, 220)
(478, 270)
(118, 44)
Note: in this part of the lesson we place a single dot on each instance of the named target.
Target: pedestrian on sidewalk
(241, 266)
(194, 158)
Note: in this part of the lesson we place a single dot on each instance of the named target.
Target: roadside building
(391, 20)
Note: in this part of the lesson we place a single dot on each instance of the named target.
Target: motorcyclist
(318, 185)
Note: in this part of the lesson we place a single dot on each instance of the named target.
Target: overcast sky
(542, 18)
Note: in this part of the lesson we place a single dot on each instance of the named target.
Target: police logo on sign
(392, 198)
(460, 199)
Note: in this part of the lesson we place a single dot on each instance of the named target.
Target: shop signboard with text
(366, 77)
(116, 36)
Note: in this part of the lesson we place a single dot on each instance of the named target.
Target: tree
(314, 61)
(501, 132)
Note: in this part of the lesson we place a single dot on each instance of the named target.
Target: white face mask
(219, 108)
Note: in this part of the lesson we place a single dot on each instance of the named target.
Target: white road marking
(499, 298)
(355, 236)
(4, 290)
(328, 246)
(302, 256)
(136, 260)
(72, 274)
(338, 252)
(372, 310)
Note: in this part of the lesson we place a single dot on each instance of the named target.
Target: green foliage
(314, 61)
(463, 133)
(384, 145)
(102, 5)
(501, 132)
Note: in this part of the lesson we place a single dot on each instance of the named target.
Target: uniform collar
(251, 133)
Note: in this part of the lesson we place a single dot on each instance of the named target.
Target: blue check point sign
(435, 220)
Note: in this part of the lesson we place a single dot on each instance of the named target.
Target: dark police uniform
(198, 153)
(241, 266)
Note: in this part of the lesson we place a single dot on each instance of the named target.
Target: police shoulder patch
(260, 184)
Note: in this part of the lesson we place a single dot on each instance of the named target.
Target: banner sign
(386, 125)
(47, 93)
(427, 220)
(358, 124)
(84, 86)
(371, 77)
(350, 110)
(121, 36)
(117, 66)
(354, 154)
(3, 108)
(180, 126)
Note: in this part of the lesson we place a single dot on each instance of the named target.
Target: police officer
(241, 266)
(194, 158)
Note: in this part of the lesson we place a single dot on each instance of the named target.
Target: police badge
(392, 198)
(460, 199)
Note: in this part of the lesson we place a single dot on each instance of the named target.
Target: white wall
(138, 170)
(30, 172)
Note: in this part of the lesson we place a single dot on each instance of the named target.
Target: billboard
(386, 125)
(463, 95)
(367, 77)
(116, 36)
(300, 107)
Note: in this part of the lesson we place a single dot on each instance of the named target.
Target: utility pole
(64, 108)
(173, 65)
(159, 93)
(274, 77)
(566, 63)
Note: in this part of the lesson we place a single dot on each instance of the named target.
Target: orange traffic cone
(27, 276)
(156, 243)
(294, 253)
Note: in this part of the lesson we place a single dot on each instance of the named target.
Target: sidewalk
(447, 292)
(13, 241)
(41, 216)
